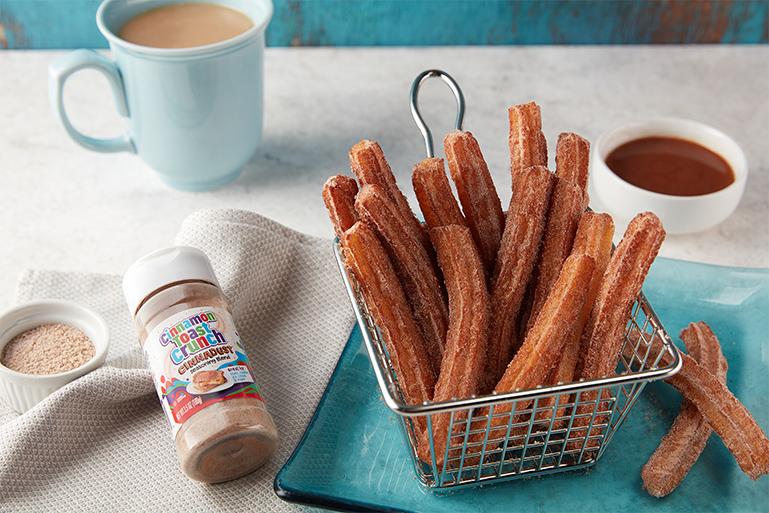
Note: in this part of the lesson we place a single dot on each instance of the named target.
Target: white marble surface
(69, 209)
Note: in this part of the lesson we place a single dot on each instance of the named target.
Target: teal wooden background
(70, 23)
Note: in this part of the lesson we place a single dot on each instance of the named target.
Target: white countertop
(66, 208)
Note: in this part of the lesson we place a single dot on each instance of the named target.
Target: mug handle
(61, 69)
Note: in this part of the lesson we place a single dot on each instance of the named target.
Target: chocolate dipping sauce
(669, 165)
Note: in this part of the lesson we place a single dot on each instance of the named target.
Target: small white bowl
(23, 391)
(679, 214)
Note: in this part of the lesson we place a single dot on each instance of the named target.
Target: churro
(434, 195)
(571, 159)
(369, 263)
(339, 196)
(477, 194)
(528, 146)
(524, 226)
(368, 163)
(566, 206)
(465, 349)
(413, 265)
(594, 239)
(620, 286)
(725, 414)
(539, 353)
(682, 445)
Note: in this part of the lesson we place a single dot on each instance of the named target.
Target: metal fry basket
(521, 433)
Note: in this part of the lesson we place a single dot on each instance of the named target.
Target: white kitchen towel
(102, 443)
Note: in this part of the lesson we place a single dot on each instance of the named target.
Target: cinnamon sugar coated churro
(436, 201)
(339, 196)
(412, 264)
(621, 285)
(682, 445)
(518, 251)
(369, 263)
(477, 194)
(726, 415)
(528, 146)
(603, 335)
(566, 206)
(594, 239)
(368, 163)
(465, 350)
(538, 355)
(572, 154)
(595, 232)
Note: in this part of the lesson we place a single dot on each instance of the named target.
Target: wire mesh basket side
(549, 433)
(522, 438)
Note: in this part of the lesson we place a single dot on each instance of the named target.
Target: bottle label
(197, 359)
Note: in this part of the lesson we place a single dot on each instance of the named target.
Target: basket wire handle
(419, 120)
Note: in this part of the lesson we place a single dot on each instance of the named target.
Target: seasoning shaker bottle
(205, 383)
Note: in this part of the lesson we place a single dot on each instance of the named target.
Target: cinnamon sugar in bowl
(47, 349)
(43, 346)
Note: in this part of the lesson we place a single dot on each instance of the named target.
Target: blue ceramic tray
(353, 455)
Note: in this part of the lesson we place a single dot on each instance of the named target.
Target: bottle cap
(163, 267)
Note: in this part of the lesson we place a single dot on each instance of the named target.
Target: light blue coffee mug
(194, 114)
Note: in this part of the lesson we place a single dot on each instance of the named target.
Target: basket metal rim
(427, 408)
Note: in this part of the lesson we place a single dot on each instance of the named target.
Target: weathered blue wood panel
(69, 23)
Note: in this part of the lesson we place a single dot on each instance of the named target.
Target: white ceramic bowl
(679, 214)
(23, 391)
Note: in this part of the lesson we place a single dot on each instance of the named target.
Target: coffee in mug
(185, 26)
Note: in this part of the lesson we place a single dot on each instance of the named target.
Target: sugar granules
(47, 349)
